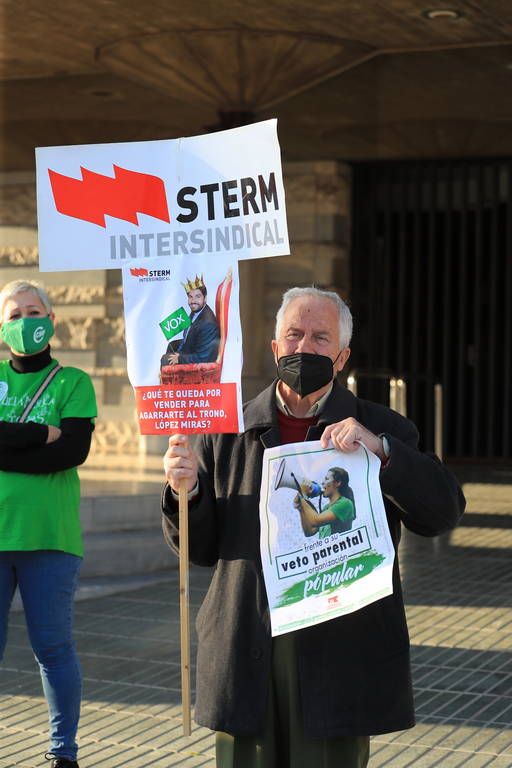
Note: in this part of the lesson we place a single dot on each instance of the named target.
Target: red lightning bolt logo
(124, 196)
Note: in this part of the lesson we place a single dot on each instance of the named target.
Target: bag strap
(39, 392)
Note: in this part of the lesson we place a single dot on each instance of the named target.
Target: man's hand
(347, 434)
(180, 462)
(173, 358)
(53, 433)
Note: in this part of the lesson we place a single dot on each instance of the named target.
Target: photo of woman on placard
(337, 515)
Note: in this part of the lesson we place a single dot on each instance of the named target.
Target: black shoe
(62, 762)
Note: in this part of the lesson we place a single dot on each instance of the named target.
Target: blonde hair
(20, 286)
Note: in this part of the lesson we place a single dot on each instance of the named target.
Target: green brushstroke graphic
(342, 575)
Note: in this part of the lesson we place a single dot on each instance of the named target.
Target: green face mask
(28, 335)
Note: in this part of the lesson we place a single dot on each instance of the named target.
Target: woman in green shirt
(338, 515)
(46, 423)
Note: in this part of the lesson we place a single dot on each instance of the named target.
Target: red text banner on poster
(165, 409)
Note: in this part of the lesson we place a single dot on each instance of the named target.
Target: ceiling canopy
(349, 81)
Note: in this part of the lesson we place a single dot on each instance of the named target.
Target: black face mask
(304, 372)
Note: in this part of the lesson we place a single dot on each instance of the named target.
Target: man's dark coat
(354, 671)
(202, 342)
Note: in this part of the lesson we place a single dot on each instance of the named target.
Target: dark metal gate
(432, 294)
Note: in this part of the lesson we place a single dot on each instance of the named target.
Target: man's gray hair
(344, 313)
(20, 286)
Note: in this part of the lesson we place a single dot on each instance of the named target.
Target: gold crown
(192, 285)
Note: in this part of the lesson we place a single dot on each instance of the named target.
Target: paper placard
(315, 572)
(186, 370)
(104, 206)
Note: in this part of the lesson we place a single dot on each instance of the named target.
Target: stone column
(318, 197)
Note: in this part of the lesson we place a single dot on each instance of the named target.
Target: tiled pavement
(459, 597)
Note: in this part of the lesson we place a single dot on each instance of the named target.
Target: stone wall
(88, 304)
(318, 212)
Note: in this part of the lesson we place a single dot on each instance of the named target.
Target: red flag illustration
(124, 196)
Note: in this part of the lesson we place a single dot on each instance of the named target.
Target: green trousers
(283, 743)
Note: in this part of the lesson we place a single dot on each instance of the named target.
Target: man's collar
(261, 412)
(315, 409)
(195, 315)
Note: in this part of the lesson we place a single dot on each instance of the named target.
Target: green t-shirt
(343, 509)
(42, 511)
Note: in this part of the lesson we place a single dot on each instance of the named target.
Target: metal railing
(398, 398)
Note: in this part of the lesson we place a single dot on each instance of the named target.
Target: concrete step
(126, 553)
(121, 522)
(101, 586)
(120, 513)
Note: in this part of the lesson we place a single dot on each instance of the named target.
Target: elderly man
(293, 700)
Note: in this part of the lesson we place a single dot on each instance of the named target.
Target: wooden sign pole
(184, 608)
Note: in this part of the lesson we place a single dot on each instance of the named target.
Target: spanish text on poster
(325, 544)
(105, 206)
(184, 345)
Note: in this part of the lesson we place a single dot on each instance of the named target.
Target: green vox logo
(177, 321)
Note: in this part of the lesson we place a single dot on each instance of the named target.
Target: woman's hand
(180, 463)
(53, 433)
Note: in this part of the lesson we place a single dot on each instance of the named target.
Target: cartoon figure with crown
(200, 340)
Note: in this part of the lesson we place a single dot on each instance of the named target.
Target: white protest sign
(103, 206)
(325, 545)
(184, 344)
